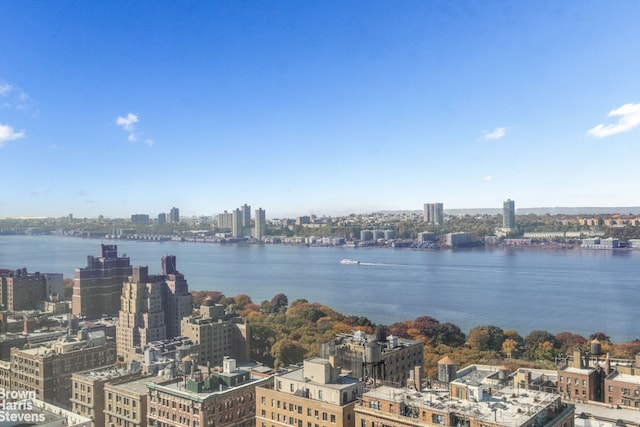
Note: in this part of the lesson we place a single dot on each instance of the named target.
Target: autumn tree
(486, 338)
(568, 341)
(509, 346)
(278, 303)
(241, 301)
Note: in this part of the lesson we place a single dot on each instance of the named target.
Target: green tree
(262, 339)
(539, 345)
(287, 352)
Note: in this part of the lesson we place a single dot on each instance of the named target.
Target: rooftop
(138, 386)
(341, 381)
(105, 373)
(508, 406)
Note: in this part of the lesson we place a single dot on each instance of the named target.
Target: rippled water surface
(575, 290)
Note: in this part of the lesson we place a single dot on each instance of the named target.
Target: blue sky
(329, 107)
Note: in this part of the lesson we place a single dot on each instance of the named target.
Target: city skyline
(325, 108)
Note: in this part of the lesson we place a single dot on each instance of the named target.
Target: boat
(348, 261)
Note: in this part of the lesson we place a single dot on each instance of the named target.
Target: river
(557, 290)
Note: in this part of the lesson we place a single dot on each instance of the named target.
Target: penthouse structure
(47, 369)
(314, 395)
(97, 287)
(433, 213)
(381, 359)
(205, 397)
(21, 290)
(217, 335)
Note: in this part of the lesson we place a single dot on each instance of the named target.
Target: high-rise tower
(509, 215)
(260, 224)
(141, 317)
(433, 213)
(98, 286)
(236, 227)
(177, 299)
(246, 216)
(174, 215)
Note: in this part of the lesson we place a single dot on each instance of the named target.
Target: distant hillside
(587, 210)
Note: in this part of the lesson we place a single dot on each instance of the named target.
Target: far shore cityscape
(117, 345)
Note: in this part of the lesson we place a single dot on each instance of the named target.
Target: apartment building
(125, 402)
(20, 290)
(151, 308)
(217, 335)
(47, 369)
(311, 396)
(176, 297)
(205, 397)
(87, 390)
(465, 405)
(388, 359)
(594, 376)
(98, 286)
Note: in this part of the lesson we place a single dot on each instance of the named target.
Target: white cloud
(497, 133)
(13, 97)
(487, 178)
(127, 123)
(5, 89)
(629, 118)
(8, 134)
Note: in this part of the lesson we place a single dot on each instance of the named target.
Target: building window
(333, 418)
(437, 419)
(374, 404)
